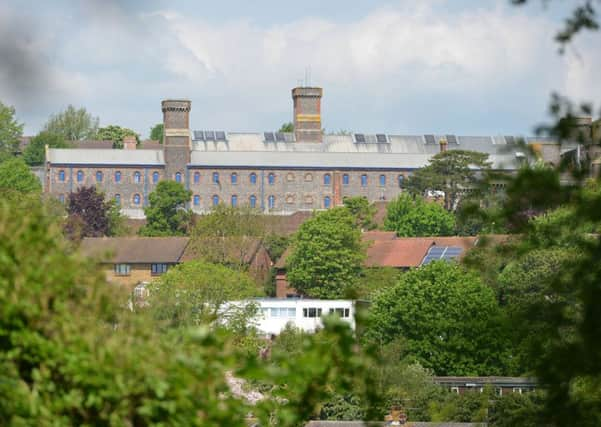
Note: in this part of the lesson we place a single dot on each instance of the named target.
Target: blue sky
(408, 67)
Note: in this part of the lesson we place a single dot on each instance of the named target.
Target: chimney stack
(307, 114)
(129, 142)
(443, 145)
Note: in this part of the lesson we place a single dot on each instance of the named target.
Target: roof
(246, 248)
(135, 250)
(319, 423)
(96, 156)
(367, 236)
(500, 381)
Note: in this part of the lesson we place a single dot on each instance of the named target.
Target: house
(501, 385)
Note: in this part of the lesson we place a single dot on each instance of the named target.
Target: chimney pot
(443, 145)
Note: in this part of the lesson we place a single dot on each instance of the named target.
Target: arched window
(271, 178)
(136, 199)
(215, 200)
(253, 178)
(215, 177)
(61, 198)
(327, 179)
(253, 201)
(401, 179)
(98, 176)
(178, 177)
(117, 176)
(234, 178)
(364, 180)
(196, 177)
(79, 176)
(326, 202)
(382, 180)
(271, 202)
(118, 199)
(234, 201)
(345, 179)
(196, 200)
(155, 177)
(137, 177)
(61, 176)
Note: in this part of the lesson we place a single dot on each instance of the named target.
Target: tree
(166, 214)
(413, 217)
(287, 127)
(451, 172)
(88, 214)
(73, 124)
(327, 255)
(156, 132)
(448, 319)
(15, 176)
(10, 132)
(35, 153)
(116, 134)
(362, 210)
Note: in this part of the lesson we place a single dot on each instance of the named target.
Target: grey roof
(91, 156)
(499, 381)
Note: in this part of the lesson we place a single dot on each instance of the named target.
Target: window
(136, 199)
(253, 201)
(342, 312)
(61, 176)
(140, 291)
(178, 177)
(215, 177)
(118, 199)
(290, 177)
(308, 177)
(234, 178)
(253, 178)
(271, 202)
(271, 179)
(157, 269)
(79, 176)
(327, 179)
(196, 177)
(363, 180)
(234, 201)
(455, 390)
(282, 312)
(118, 176)
(401, 179)
(345, 179)
(312, 312)
(382, 180)
(196, 200)
(215, 200)
(517, 390)
(326, 202)
(137, 177)
(155, 177)
(122, 269)
(61, 198)
(98, 176)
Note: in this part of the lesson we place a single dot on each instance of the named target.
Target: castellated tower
(176, 137)
(307, 113)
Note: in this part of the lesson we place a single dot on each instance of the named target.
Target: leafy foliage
(287, 127)
(73, 124)
(34, 154)
(327, 255)
(275, 244)
(413, 217)
(166, 214)
(88, 214)
(116, 134)
(16, 176)
(362, 210)
(156, 132)
(10, 132)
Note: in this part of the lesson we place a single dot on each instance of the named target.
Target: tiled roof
(135, 250)
(378, 235)
(245, 248)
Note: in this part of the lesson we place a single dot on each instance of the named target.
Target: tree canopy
(362, 210)
(156, 132)
(10, 131)
(414, 217)
(88, 214)
(166, 213)
(116, 134)
(16, 176)
(73, 124)
(287, 127)
(34, 153)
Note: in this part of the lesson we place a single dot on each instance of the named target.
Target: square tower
(176, 137)
(307, 113)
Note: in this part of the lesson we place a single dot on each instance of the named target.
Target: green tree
(451, 172)
(449, 320)
(35, 153)
(287, 127)
(116, 134)
(414, 217)
(327, 255)
(156, 132)
(73, 124)
(362, 210)
(374, 279)
(10, 132)
(15, 176)
(166, 214)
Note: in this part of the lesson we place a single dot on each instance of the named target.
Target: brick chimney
(129, 142)
(443, 145)
(307, 114)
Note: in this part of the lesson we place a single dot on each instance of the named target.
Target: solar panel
(209, 135)
(430, 139)
(199, 135)
(280, 137)
(381, 138)
(509, 139)
(220, 136)
(452, 139)
(436, 253)
(359, 137)
(269, 137)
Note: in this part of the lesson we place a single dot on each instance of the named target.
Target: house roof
(500, 381)
(247, 248)
(135, 250)
(320, 423)
(368, 236)
(100, 156)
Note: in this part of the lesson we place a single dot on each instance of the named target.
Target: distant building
(500, 385)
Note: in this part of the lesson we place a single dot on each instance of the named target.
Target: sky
(465, 67)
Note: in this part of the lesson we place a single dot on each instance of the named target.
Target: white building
(306, 314)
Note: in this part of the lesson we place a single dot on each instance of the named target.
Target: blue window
(271, 179)
(326, 202)
(98, 176)
(234, 201)
(215, 177)
(117, 176)
(137, 177)
(61, 176)
(118, 199)
(345, 179)
(271, 202)
(234, 178)
(253, 201)
(79, 176)
(158, 269)
(327, 179)
(363, 180)
(215, 200)
(382, 180)
(155, 177)
(401, 179)
(196, 200)
(178, 177)
(253, 178)
(196, 177)
(136, 199)
(61, 198)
